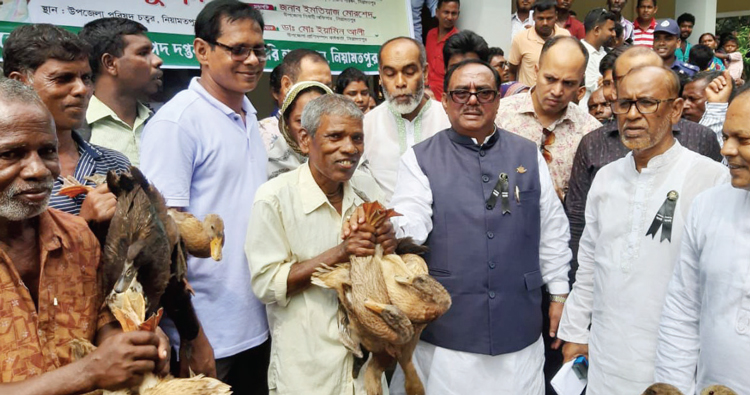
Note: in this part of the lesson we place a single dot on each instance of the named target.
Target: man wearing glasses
(544, 115)
(634, 224)
(204, 152)
(604, 146)
(482, 199)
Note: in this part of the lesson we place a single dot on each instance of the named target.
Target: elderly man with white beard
(407, 116)
(48, 273)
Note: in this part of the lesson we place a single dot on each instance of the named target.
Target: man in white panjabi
(407, 116)
(634, 217)
(704, 335)
(482, 199)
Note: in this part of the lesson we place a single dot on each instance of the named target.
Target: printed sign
(346, 32)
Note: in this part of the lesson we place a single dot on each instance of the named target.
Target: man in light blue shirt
(204, 152)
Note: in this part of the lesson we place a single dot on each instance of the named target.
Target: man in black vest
(482, 199)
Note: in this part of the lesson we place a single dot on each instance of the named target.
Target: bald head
(633, 57)
(667, 79)
(568, 48)
(402, 43)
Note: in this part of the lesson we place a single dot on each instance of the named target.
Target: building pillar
(705, 16)
(489, 19)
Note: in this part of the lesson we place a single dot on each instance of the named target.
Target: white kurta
(623, 273)
(705, 324)
(387, 137)
(450, 372)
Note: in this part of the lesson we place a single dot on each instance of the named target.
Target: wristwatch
(558, 298)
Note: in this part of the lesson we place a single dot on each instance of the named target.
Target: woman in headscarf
(284, 154)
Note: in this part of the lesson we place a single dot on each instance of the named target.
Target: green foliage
(739, 26)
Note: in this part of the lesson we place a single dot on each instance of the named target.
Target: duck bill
(126, 278)
(216, 245)
(377, 308)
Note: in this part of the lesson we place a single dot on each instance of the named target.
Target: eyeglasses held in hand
(644, 106)
(462, 96)
(240, 53)
(549, 139)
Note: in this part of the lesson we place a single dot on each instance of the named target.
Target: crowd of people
(581, 194)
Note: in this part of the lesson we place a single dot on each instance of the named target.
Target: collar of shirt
(624, 20)
(471, 142)
(314, 196)
(515, 17)
(533, 36)
(593, 50)
(569, 21)
(659, 160)
(401, 124)
(196, 87)
(446, 36)
(637, 24)
(97, 110)
(526, 106)
(85, 149)
(51, 237)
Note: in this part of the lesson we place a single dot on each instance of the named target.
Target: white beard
(406, 108)
(14, 209)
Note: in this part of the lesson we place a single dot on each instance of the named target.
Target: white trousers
(449, 372)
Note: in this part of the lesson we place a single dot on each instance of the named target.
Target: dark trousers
(553, 359)
(246, 372)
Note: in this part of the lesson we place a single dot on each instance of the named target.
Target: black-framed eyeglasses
(644, 106)
(240, 53)
(462, 96)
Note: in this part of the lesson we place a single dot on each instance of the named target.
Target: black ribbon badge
(501, 190)
(665, 217)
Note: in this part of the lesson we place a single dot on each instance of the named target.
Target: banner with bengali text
(346, 32)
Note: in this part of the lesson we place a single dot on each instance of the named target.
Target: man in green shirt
(126, 72)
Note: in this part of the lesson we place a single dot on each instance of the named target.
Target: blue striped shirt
(93, 159)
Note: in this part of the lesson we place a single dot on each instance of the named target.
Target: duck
(138, 247)
(129, 309)
(385, 302)
(718, 390)
(144, 251)
(202, 239)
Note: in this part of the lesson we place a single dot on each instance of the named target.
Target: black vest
(488, 261)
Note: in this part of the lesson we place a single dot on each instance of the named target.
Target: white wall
(705, 16)
(488, 18)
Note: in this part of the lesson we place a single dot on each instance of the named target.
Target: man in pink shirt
(447, 15)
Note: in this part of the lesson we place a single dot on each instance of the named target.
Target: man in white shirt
(600, 28)
(635, 211)
(523, 18)
(704, 335)
(295, 229)
(203, 151)
(481, 198)
(406, 117)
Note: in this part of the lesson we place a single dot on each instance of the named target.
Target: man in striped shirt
(55, 63)
(643, 27)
